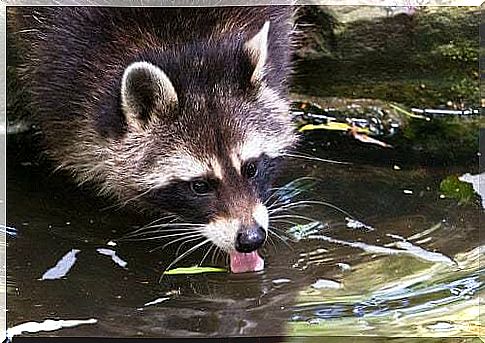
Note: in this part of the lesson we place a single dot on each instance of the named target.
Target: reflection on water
(358, 250)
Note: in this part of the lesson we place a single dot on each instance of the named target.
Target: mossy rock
(427, 59)
(452, 187)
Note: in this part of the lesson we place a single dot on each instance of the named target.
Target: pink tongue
(242, 262)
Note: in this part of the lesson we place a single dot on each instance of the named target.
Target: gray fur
(140, 101)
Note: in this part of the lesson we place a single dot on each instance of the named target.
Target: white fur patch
(258, 143)
(222, 232)
(216, 168)
(271, 99)
(258, 48)
(187, 167)
(162, 88)
(271, 143)
(260, 215)
(253, 147)
(179, 166)
(182, 166)
(236, 162)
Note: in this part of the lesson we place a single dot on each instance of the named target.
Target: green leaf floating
(194, 270)
(452, 187)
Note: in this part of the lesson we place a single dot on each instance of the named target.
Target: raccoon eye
(250, 170)
(200, 187)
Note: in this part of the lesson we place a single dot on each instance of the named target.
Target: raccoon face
(210, 153)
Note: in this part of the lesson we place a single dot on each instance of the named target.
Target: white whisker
(178, 240)
(205, 255)
(307, 203)
(162, 236)
(273, 230)
(151, 223)
(134, 236)
(295, 216)
(313, 158)
(284, 221)
(187, 241)
(184, 255)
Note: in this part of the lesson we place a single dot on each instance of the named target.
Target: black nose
(250, 239)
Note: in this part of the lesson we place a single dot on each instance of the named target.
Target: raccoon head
(206, 136)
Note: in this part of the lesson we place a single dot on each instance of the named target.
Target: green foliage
(462, 52)
(464, 89)
(452, 187)
(429, 59)
(446, 139)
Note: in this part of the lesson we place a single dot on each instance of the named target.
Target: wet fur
(73, 60)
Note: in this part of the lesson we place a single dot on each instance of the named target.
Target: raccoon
(171, 110)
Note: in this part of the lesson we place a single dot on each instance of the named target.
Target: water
(401, 261)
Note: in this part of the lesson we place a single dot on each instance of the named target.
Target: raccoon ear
(258, 50)
(144, 89)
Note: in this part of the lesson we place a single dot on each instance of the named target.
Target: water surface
(391, 257)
